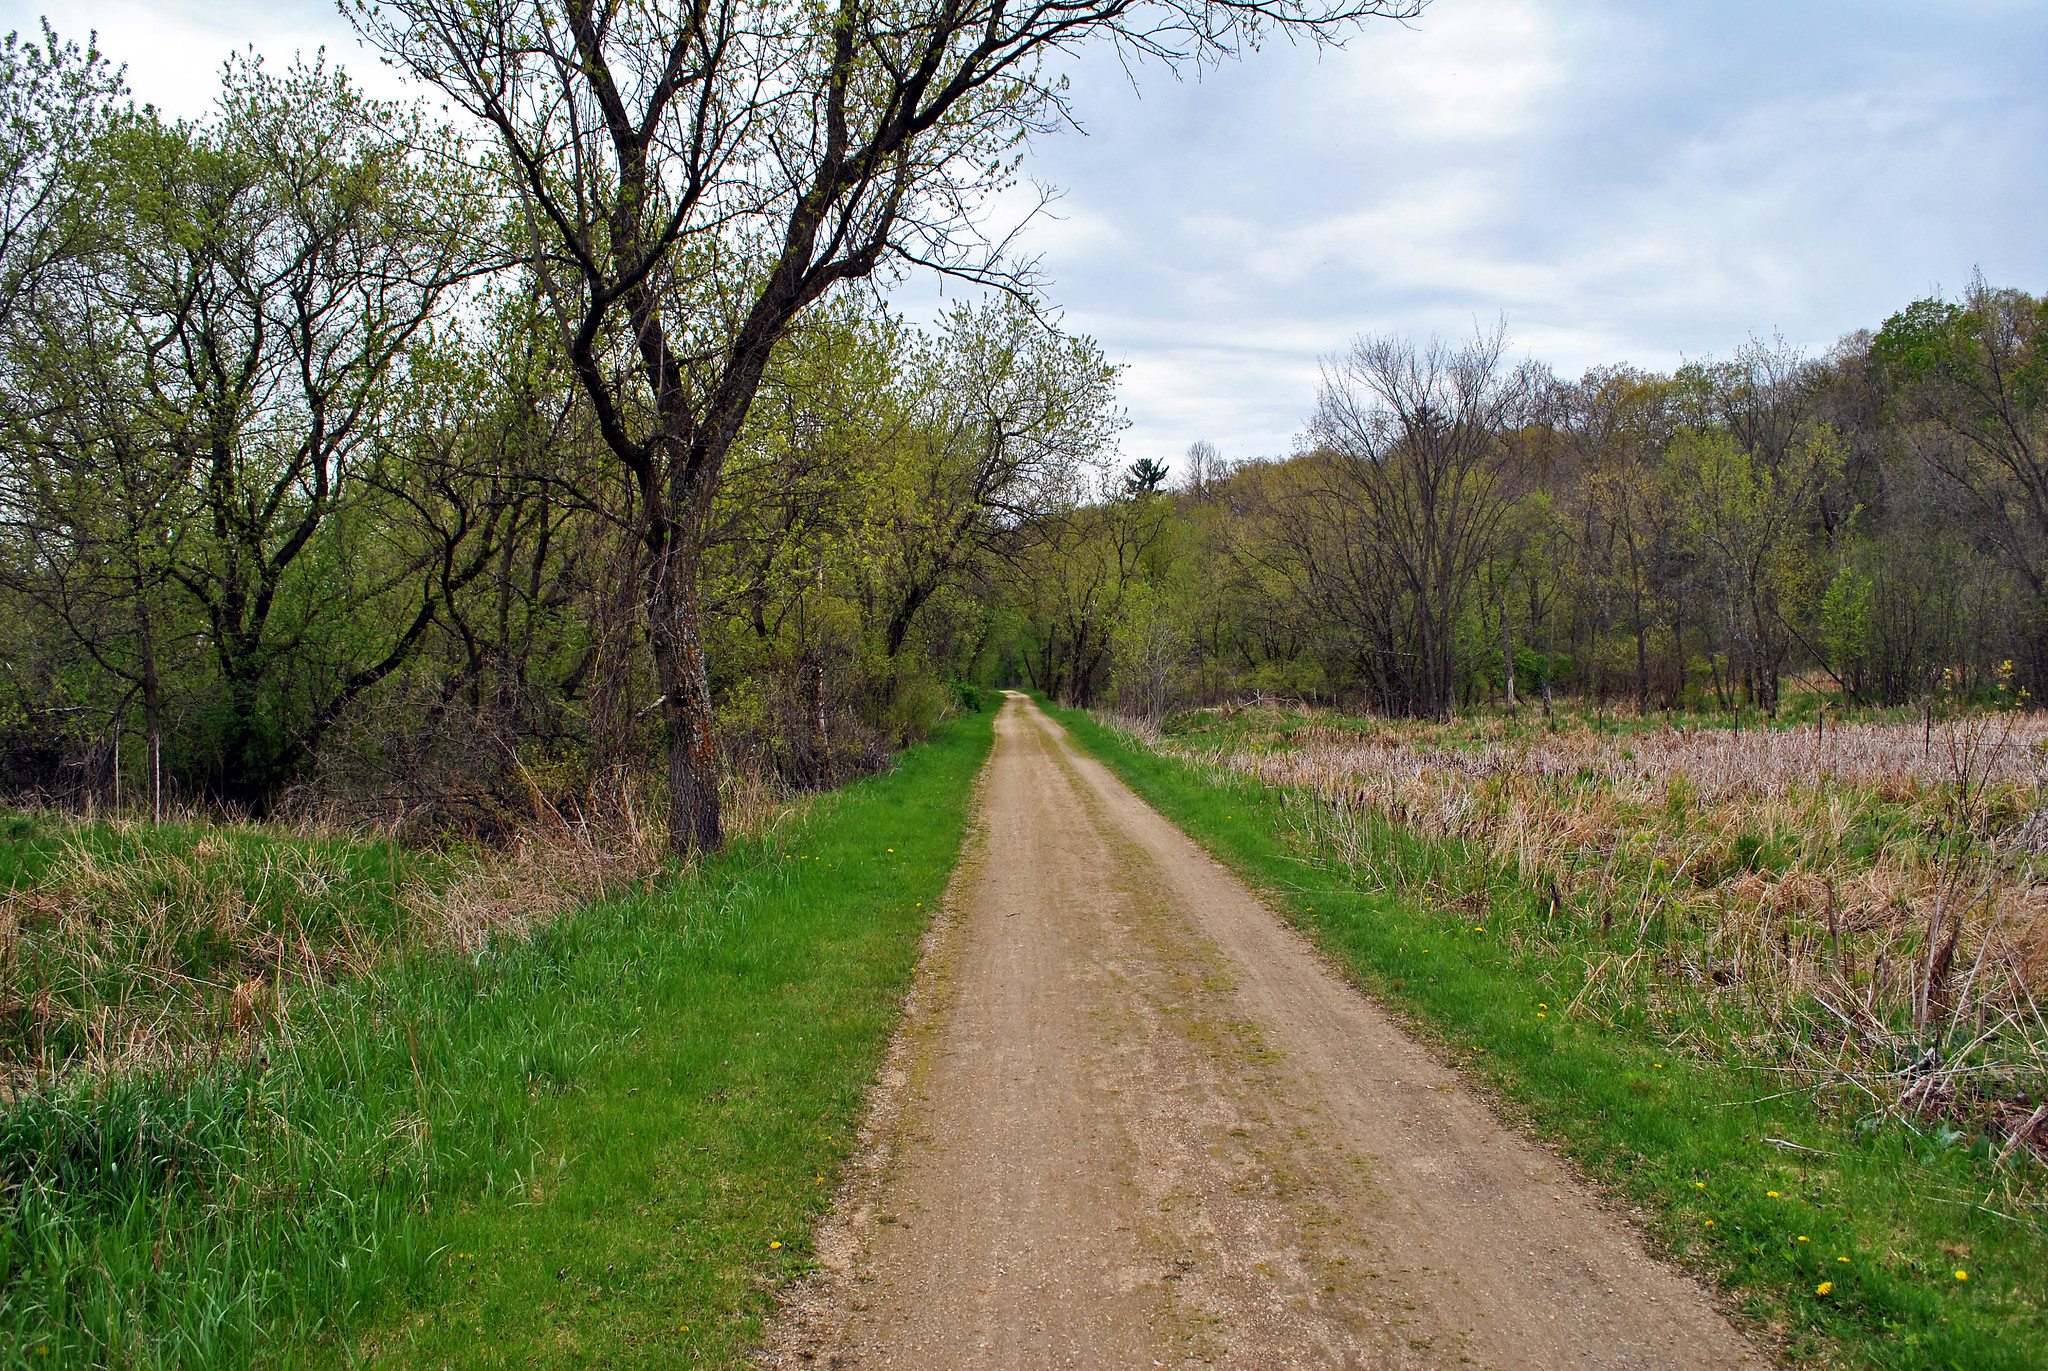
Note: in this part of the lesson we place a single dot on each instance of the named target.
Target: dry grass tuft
(131, 946)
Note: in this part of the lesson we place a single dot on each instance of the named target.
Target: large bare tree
(696, 173)
(1413, 448)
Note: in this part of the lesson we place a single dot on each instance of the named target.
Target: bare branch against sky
(1626, 182)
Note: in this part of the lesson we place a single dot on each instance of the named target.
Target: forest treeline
(348, 463)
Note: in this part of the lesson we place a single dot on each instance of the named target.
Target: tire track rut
(1136, 1121)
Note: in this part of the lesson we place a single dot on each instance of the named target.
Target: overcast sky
(1636, 182)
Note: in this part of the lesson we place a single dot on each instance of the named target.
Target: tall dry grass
(138, 946)
(1854, 910)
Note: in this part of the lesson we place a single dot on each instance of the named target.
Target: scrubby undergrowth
(129, 946)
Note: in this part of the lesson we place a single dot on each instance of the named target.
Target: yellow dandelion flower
(1802, 1237)
(1772, 1193)
(1699, 1185)
(1710, 1223)
(684, 1328)
(775, 1244)
(1962, 1275)
(1843, 1260)
(1656, 1066)
(1823, 1287)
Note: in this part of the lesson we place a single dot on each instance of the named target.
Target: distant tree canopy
(346, 464)
(1455, 527)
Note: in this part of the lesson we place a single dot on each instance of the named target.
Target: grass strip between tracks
(674, 1185)
(1853, 1260)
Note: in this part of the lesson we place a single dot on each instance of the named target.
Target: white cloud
(173, 49)
(1475, 71)
(1626, 182)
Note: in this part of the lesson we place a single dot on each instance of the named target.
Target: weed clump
(127, 946)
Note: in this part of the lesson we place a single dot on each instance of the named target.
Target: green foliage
(1534, 669)
(1917, 343)
(458, 1115)
(1844, 620)
(1145, 476)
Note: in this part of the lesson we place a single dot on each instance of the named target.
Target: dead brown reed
(1853, 910)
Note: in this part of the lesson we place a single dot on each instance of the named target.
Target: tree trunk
(1549, 665)
(153, 736)
(1642, 661)
(821, 743)
(1507, 654)
(675, 622)
(1676, 699)
(152, 705)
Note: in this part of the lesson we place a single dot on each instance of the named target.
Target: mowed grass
(1842, 1244)
(669, 1189)
(577, 1148)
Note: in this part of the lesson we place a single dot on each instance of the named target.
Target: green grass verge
(664, 1197)
(1871, 1213)
(580, 1149)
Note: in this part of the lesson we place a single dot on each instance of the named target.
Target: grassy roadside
(1843, 1244)
(561, 1150)
(664, 1194)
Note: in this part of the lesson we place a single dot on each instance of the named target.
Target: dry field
(1858, 912)
(129, 945)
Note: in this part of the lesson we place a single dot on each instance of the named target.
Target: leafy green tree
(1844, 629)
(94, 505)
(695, 178)
(1077, 584)
(257, 285)
(1011, 416)
(1971, 378)
(56, 99)
(1747, 517)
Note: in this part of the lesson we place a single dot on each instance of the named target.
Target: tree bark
(675, 623)
(1507, 653)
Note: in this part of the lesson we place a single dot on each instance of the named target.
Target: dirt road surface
(1135, 1121)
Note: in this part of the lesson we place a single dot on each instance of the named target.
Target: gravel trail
(1133, 1120)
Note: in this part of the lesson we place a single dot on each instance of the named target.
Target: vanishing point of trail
(1134, 1121)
